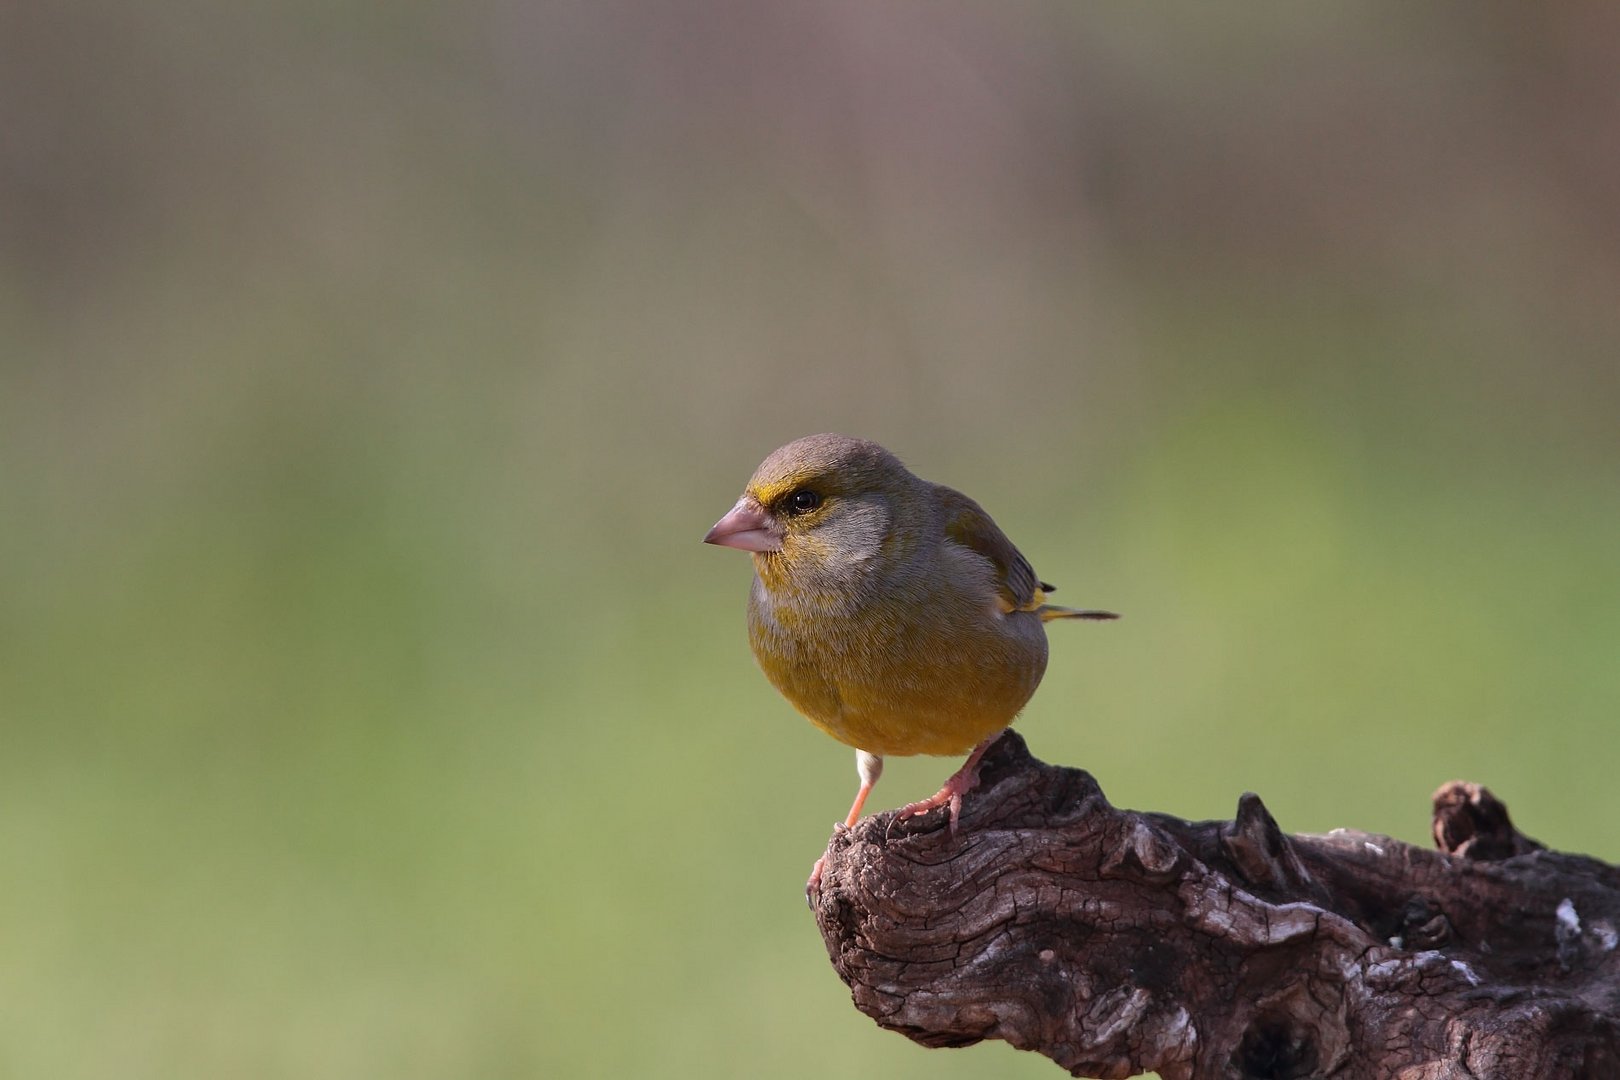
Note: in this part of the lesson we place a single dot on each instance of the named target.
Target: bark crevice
(1117, 942)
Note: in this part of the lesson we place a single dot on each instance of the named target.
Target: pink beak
(746, 527)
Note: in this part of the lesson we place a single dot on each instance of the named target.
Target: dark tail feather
(1048, 612)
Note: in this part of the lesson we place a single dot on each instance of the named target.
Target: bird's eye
(803, 501)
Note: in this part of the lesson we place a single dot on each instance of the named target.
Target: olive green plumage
(891, 611)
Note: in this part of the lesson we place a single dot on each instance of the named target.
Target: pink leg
(854, 815)
(860, 801)
(961, 782)
(870, 766)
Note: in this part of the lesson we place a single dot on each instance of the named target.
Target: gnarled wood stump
(1117, 942)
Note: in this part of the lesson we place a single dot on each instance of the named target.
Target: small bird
(890, 611)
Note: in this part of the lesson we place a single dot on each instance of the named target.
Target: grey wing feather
(967, 524)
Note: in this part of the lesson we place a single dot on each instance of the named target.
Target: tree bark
(1117, 942)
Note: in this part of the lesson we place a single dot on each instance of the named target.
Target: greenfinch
(891, 611)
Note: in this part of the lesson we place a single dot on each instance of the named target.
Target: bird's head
(819, 510)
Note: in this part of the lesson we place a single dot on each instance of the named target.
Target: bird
(892, 612)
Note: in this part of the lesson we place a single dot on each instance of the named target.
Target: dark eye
(803, 501)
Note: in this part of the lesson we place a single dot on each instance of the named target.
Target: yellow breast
(897, 677)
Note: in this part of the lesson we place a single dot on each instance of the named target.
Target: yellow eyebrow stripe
(776, 489)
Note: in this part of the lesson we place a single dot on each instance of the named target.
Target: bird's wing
(967, 524)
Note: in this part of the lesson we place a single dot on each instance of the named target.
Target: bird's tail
(1048, 612)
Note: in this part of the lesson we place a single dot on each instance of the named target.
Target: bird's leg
(961, 782)
(870, 767)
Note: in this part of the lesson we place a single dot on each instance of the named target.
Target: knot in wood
(1117, 942)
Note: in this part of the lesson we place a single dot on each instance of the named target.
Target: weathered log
(1117, 942)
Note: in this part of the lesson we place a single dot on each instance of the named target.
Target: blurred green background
(369, 374)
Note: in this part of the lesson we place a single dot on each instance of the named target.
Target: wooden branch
(1117, 942)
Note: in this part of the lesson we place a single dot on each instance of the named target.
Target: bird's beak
(747, 527)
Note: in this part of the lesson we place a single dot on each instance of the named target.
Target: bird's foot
(813, 886)
(950, 796)
(962, 781)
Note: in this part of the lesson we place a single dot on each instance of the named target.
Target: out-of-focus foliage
(368, 374)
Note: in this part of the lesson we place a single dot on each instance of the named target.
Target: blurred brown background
(369, 374)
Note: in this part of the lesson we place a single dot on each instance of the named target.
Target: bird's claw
(950, 800)
(813, 886)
